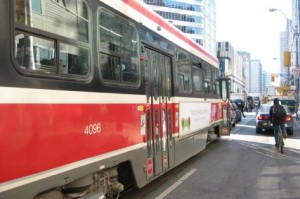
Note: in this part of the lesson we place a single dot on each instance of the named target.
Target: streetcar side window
(183, 71)
(39, 54)
(197, 79)
(51, 53)
(111, 69)
(207, 79)
(118, 57)
(33, 53)
(215, 75)
(117, 36)
(73, 60)
(130, 73)
(66, 18)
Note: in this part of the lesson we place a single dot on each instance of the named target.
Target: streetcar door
(159, 112)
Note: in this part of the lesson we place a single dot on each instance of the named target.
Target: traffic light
(287, 58)
(272, 77)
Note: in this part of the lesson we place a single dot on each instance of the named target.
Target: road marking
(176, 184)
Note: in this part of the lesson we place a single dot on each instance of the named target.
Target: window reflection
(116, 35)
(73, 60)
(39, 55)
(65, 18)
(183, 71)
(45, 53)
(207, 79)
(118, 46)
(33, 53)
(197, 79)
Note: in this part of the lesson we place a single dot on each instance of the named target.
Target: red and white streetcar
(98, 96)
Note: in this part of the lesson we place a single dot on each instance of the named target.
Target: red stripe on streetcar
(38, 137)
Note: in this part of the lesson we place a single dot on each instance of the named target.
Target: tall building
(253, 73)
(266, 82)
(284, 71)
(232, 66)
(255, 80)
(195, 18)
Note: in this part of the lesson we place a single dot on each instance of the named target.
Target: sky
(249, 26)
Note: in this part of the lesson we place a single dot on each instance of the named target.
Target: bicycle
(280, 139)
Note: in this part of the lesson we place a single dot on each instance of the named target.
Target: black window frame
(58, 40)
(197, 69)
(124, 61)
(183, 75)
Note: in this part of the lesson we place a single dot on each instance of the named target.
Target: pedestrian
(248, 106)
(277, 119)
(240, 104)
(242, 108)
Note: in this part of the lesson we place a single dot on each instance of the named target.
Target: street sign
(149, 166)
(225, 130)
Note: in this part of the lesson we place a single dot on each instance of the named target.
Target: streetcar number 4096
(92, 129)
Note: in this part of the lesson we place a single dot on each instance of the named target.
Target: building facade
(195, 18)
(266, 82)
(284, 73)
(253, 72)
(232, 66)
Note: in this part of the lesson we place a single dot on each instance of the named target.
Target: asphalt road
(243, 165)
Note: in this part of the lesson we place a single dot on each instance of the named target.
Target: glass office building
(196, 18)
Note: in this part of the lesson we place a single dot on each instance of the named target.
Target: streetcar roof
(141, 13)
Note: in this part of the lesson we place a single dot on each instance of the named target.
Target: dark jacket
(275, 121)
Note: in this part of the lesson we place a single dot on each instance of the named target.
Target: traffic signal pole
(297, 75)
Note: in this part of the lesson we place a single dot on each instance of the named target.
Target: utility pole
(296, 34)
(287, 53)
(296, 37)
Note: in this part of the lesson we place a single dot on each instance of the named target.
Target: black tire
(258, 131)
(290, 132)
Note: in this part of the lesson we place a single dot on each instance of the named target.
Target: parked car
(232, 115)
(262, 120)
(238, 113)
(235, 113)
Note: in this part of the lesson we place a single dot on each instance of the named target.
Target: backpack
(279, 113)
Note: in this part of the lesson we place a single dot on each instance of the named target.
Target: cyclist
(277, 120)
